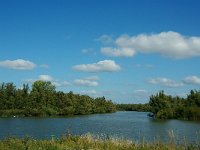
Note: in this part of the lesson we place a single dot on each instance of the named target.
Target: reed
(90, 142)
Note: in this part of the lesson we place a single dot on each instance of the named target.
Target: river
(122, 124)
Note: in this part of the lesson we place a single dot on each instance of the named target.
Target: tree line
(42, 99)
(133, 107)
(165, 106)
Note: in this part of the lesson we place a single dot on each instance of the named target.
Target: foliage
(133, 107)
(165, 106)
(86, 142)
(44, 100)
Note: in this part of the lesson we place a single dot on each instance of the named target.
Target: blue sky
(124, 50)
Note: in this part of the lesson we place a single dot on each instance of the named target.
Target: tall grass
(89, 142)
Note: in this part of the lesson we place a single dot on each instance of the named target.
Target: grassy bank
(87, 142)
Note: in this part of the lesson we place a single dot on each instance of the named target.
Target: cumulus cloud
(101, 66)
(83, 82)
(170, 44)
(122, 52)
(42, 77)
(92, 78)
(45, 77)
(88, 81)
(165, 82)
(18, 64)
(192, 80)
(60, 83)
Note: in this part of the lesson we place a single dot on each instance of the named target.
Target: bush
(87, 142)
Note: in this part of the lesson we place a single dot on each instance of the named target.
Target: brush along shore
(89, 142)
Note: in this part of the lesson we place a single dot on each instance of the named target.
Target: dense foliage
(165, 106)
(43, 100)
(87, 142)
(133, 107)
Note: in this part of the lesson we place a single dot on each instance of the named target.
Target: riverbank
(86, 142)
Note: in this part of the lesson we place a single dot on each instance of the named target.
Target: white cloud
(45, 77)
(40, 77)
(170, 44)
(140, 91)
(123, 52)
(165, 82)
(101, 66)
(18, 64)
(92, 78)
(85, 82)
(60, 83)
(192, 80)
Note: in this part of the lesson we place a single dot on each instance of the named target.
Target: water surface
(122, 124)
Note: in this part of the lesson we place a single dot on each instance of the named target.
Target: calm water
(128, 125)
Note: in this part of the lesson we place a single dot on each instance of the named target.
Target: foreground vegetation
(164, 106)
(44, 100)
(87, 142)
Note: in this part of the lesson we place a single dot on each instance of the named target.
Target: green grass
(88, 142)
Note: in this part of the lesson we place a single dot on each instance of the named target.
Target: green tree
(159, 101)
(44, 100)
(42, 94)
